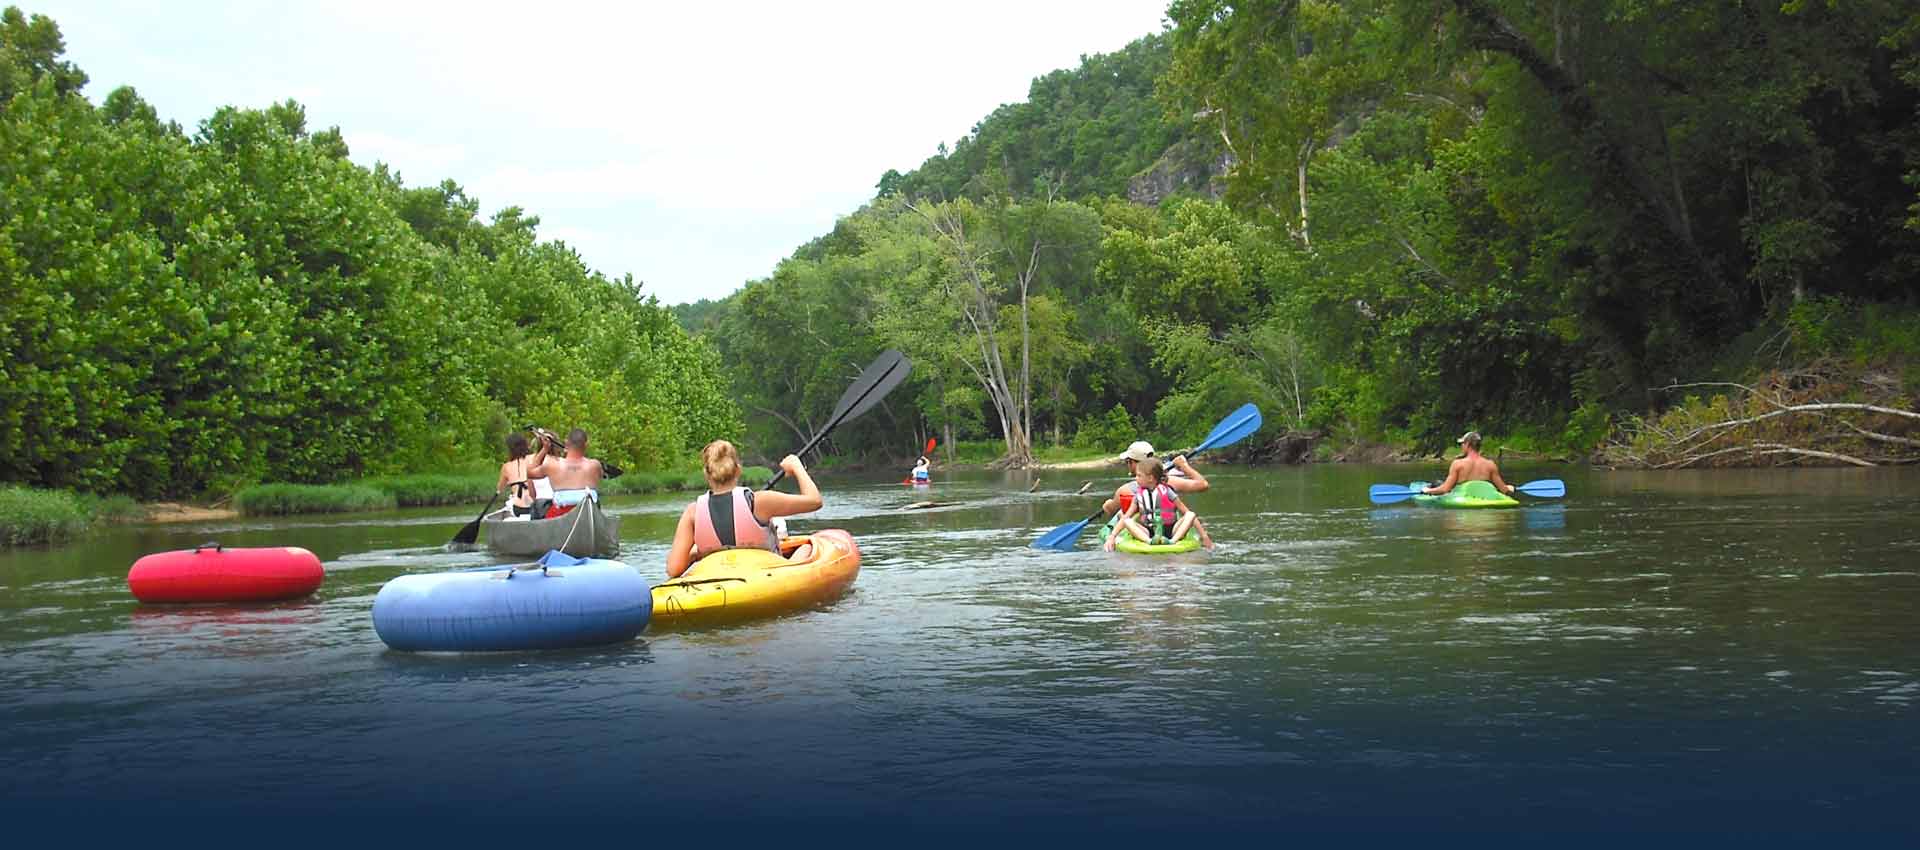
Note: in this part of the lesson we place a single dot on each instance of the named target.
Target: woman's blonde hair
(722, 461)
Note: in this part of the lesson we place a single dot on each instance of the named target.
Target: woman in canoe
(514, 481)
(729, 516)
(1163, 517)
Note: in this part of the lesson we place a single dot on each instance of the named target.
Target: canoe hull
(584, 532)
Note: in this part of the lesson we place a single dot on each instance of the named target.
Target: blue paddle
(1387, 494)
(1238, 425)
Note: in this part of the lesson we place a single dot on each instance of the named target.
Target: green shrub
(1111, 431)
(435, 489)
(40, 516)
(283, 499)
(110, 508)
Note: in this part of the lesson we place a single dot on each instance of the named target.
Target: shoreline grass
(30, 517)
(285, 499)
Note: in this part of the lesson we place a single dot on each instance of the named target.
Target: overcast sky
(693, 145)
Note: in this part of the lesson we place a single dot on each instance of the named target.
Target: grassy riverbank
(30, 517)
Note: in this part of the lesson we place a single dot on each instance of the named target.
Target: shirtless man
(575, 477)
(1471, 466)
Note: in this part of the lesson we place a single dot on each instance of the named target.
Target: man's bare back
(576, 471)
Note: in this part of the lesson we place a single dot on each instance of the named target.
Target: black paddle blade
(885, 373)
(468, 533)
(471, 531)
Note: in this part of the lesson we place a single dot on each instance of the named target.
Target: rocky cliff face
(1185, 167)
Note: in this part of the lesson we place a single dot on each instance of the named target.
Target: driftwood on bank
(1784, 421)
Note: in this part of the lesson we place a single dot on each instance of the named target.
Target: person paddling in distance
(920, 469)
(1471, 466)
(575, 477)
(729, 516)
(521, 490)
(1162, 516)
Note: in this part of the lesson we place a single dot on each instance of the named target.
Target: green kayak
(1472, 494)
(1130, 543)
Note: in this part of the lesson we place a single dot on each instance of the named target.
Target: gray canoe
(584, 532)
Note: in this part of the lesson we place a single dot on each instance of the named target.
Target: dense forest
(1572, 226)
(1386, 222)
(187, 313)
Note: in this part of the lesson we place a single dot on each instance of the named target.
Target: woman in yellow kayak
(729, 516)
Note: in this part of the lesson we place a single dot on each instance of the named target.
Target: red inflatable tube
(211, 573)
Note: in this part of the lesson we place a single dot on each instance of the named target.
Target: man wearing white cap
(1470, 467)
(1184, 478)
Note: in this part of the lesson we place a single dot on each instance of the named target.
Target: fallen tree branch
(1780, 448)
(1799, 408)
(1760, 449)
(1882, 438)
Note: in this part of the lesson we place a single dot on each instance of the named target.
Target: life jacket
(729, 523)
(1160, 506)
(1126, 496)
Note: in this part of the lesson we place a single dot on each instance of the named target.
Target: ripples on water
(1643, 653)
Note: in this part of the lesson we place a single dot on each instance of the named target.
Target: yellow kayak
(735, 585)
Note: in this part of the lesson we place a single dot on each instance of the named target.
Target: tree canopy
(189, 312)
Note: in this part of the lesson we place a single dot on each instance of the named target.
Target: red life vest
(729, 523)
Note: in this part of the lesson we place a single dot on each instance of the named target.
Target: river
(1678, 650)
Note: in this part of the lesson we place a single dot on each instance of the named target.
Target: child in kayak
(1162, 516)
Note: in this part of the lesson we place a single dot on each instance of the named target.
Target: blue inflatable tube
(571, 602)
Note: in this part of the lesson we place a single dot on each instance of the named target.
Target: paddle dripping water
(1678, 650)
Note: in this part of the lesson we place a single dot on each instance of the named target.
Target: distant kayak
(1472, 494)
(1132, 544)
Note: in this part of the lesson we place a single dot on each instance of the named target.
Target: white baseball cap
(1140, 450)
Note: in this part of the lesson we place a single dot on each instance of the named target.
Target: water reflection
(1652, 646)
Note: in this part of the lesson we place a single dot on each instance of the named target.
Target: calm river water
(1681, 650)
